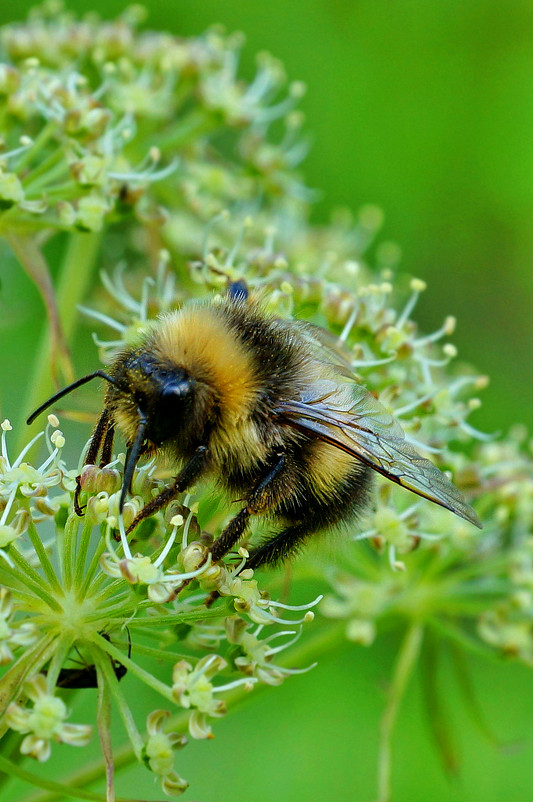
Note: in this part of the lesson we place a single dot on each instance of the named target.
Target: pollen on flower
(418, 285)
(449, 350)
(449, 325)
(57, 438)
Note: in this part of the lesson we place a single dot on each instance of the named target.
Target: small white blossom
(192, 688)
(44, 722)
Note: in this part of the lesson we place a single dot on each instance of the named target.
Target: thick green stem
(57, 790)
(30, 256)
(405, 663)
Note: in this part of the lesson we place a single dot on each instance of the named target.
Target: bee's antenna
(132, 457)
(97, 374)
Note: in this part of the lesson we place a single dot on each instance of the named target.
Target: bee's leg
(191, 471)
(264, 496)
(99, 433)
(271, 552)
(107, 448)
(286, 544)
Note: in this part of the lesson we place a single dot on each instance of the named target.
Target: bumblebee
(269, 409)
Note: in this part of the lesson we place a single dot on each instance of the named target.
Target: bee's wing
(349, 417)
(324, 347)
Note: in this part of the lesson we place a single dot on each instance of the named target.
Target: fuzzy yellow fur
(199, 340)
(329, 467)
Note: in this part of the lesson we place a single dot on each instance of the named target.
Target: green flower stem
(405, 663)
(69, 549)
(162, 655)
(40, 140)
(189, 129)
(112, 683)
(29, 578)
(89, 576)
(51, 180)
(144, 676)
(103, 591)
(54, 790)
(40, 551)
(29, 663)
(447, 598)
(63, 647)
(75, 277)
(103, 718)
(30, 256)
(117, 615)
(496, 564)
(48, 163)
(189, 617)
(66, 191)
(81, 555)
(449, 631)
(324, 641)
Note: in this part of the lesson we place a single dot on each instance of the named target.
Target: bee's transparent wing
(349, 417)
(326, 348)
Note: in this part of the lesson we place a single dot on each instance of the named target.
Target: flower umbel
(57, 611)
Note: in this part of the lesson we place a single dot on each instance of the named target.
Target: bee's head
(153, 402)
(160, 396)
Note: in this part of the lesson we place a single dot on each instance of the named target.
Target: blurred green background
(424, 107)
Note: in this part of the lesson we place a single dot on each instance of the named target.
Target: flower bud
(98, 507)
(46, 507)
(108, 480)
(129, 513)
(91, 212)
(90, 171)
(21, 521)
(192, 556)
(7, 535)
(235, 627)
(11, 190)
(66, 213)
(361, 631)
(142, 484)
(89, 479)
(212, 577)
